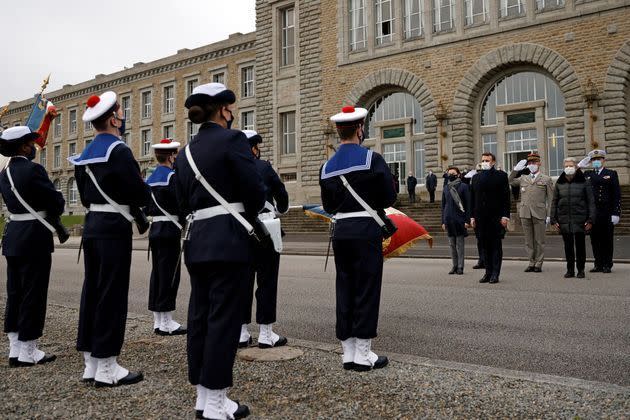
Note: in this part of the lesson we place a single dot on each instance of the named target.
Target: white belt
(23, 217)
(162, 219)
(108, 208)
(210, 212)
(340, 216)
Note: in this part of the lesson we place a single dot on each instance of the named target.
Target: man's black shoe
(529, 269)
(130, 379)
(478, 266)
(484, 279)
(380, 363)
(46, 359)
(493, 280)
(243, 344)
(537, 270)
(606, 270)
(453, 270)
(596, 269)
(570, 274)
(460, 272)
(580, 274)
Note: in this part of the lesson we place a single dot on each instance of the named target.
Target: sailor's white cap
(99, 105)
(166, 144)
(349, 114)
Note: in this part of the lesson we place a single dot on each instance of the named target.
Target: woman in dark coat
(572, 211)
(455, 216)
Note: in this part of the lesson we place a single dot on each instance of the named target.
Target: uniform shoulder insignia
(606, 176)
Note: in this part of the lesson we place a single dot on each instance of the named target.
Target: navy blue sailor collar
(98, 151)
(160, 176)
(349, 158)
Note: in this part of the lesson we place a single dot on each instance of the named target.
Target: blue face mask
(31, 155)
(121, 129)
(597, 164)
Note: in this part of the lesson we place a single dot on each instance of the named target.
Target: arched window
(523, 112)
(392, 107)
(73, 192)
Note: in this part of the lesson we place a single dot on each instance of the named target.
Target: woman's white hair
(570, 159)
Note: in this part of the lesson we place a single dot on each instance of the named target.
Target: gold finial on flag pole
(45, 83)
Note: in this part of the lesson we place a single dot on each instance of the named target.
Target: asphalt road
(531, 322)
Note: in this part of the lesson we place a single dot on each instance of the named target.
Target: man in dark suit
(27, 244)
(607, 194)
(217, 248)
(412, 181)
(490, 214)
(431, 185)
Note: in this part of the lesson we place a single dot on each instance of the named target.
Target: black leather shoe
(484, 279)
(460, 272)
(241, 412)
(13, 362)
(380, 363)
(156, 331)
(478, 266)
(596, 269)
(130, 379)
(179, 331)
(529, 269)
(570, 274)
(198, 414)
(453, 270)
(46, 359)
(606, 270)
(537, 270)
(243, 344)
(282, 341)
(493, 280)
(348, 366)
(88, 381)
(580, 274)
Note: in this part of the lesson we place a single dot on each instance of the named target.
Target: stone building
(444, 80)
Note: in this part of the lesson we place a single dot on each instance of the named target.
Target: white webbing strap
(23, 202)
(107, 198)
(362, 202)
(270, 207)
(216, 195)
(169, 216)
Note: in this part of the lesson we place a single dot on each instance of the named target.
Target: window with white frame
(72, 120)
(57, 125)
(87, 126)
(168, 106)
(247, 82)
(73, 192)
(126, 107)
(549, 4)
(248, 120)
(288, 36)
(443, 15)
(392, 107)
(413, 15)
(476, 11)
(358, 24)
(287, 120)
(218, 78)
(124, 138)
(146, 104)
(43, 158)
(489, 143)
(167, 132)
(384, 17)
(146, 142)
(419, 159)
(72, 149)
(509, 8)
(57, 156)
(88, 141)
(192, 130)
(191, 85)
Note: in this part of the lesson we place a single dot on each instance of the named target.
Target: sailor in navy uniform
(217, 249)
(357, 237)
(113, 197)
(607, 194)
(164, 240)
(266, 261)
(27, 245)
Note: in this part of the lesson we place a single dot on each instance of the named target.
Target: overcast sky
(76, 40)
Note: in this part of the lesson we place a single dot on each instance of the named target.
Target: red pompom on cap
(347, 109)
(165, 141)
(92, 101)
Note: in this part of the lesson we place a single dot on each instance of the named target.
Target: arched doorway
(523, 112)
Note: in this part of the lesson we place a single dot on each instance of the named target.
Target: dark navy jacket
(118, 174)
(225, 160)
(606, 192)
(490, 201)
(369, 176)
(275, 188)
(32, 182)
(162, 183)
(452, 217)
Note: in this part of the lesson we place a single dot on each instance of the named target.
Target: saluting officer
(112, 189)
(357, 237)
(534, 207)
(607, 194)
(266, 260)
(164, 240)
(27, 244)
(219, 186)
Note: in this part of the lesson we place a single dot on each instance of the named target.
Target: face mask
(532, 168)
(569, 170)
(121, 129)
(597, 164)
(452, 177)
(485, 166)
(230, 121)
(31, 155)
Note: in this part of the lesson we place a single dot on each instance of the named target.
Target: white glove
(548, 220)
(614, 219)
(584, 162)
(471, 174)
(520, 165)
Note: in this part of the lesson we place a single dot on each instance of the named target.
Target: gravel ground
(312, 386)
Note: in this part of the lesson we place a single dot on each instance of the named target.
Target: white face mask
(532, 168)
(485, 166)
(569, 170)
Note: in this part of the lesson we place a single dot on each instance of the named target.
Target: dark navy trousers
(264, 271)
(165, 274)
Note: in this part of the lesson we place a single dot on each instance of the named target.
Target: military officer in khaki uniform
(534, 207)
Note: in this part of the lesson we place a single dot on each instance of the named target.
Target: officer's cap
(533, 156)
(349, 115)
(210, 93)
(97, 106)
(166, 145)
(253, 137)
(597, 153)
